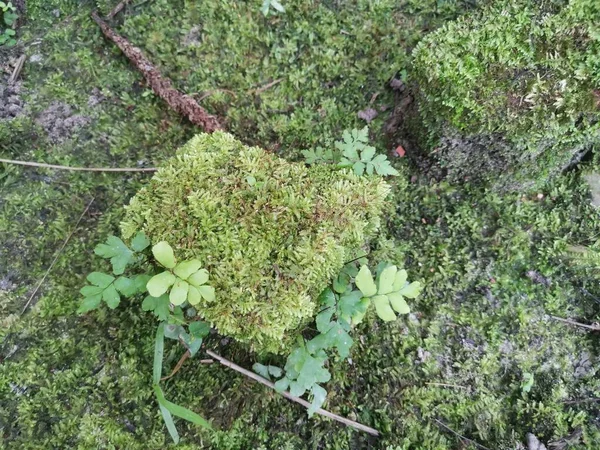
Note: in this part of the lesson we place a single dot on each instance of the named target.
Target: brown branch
(267, 86)
(183, 358)
(289, 396)
(57, 255)
(80, 169)
(117, 9)
(181, 103)
(17, 70)
(593, 327)
(446, 427)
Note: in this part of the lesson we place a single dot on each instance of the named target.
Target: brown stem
(289, 396)
(593, 327)
(181, 103)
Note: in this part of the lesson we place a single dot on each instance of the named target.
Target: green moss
(511, 92)
(271, 233)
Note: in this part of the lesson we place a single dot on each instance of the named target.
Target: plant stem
(80, 169)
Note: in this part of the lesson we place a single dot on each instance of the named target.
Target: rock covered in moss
(512, 94)
(271, 233)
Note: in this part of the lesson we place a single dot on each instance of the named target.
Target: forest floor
(454, 374)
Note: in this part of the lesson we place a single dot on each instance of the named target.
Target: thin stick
(268, 86)
(57, 255)
(443, 425)
(183, 358)
(162, 86)
(572, 322)
(581, 400)
(80, 169)
(117, 9)
(289, 396)
(447, 385)
(18, 68)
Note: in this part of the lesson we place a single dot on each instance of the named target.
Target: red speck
(400, 151)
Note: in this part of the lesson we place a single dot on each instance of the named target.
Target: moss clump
(272, 233)
(512, 91)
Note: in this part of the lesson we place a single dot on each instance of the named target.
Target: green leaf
(198, 278)
(140, 282)
(359, 168)
(282, 385)
(199, 329)
(159, 284)
(140, 242)
(91, 291)
(180, 411)
(382, 306)
(349, 303)
(275, 371)
(111, 297)
(386, 280)
(398, 303)
(319, 395)
(383, 166)
(173, 331)
(207, 292)
(89, 303)
(412, 290)
(364, 281)
(527, 382)
(194, 345)
(341, 283)
(262, 370)
(367, 154)
(400, 280)
(158, 305)
(100, 279)
(278, 6)
(179, 292)
(193, 295)
(168, 419)
(120, 255)
(360, 314)
(159, 348)
(326, 302)
(186, 268)
(340, 339)
(125, 286)
(163, 253)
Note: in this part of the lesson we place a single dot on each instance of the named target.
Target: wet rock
(367, 114)
(534, 443)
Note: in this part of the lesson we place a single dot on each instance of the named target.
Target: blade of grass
(180, 411)
(159, 349)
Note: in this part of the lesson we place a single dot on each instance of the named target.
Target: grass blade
(168, 418)
(180, 411)
(159, 348)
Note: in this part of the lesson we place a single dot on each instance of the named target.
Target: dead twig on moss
(57, 255)
(78, 169)
(267, 86)
(321, 411)
(17, 71)
(117, 9)
(181, 103)
(446, 427)
(594, 327)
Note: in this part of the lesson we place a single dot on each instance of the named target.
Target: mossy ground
(493, 265)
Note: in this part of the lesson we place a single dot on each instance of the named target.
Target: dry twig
(181, 103)
(267, 86)
(594, 327)
(58, 254)
(78, 169)
(321, 411)
(117, 9)
(17, 70)
(446, 427)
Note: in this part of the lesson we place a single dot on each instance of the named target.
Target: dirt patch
(59, 122)
(11, 104)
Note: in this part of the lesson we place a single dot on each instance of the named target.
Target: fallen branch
(79, 169)
(321, 411)
(267, 86)
(594, 327)
(17, 70)
(181, 103)
(57, 255)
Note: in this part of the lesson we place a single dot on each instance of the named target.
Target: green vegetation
(513, 87)
(266, 229)
(494, 266)
(9, 16)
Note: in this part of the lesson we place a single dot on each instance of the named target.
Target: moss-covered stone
(511, 94)
(272, 233)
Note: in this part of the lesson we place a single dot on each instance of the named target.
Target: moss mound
(272, 233)
(512, 92)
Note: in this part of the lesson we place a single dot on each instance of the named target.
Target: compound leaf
(383, 308)
(163, 253)
(111, 297)
(179, 292)
(319, 395)
(186, 268)
(90, 303)
(140, 242)
(364, 281)
(412, 290)
(100, 279)
(386, 280)
(159, 284)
